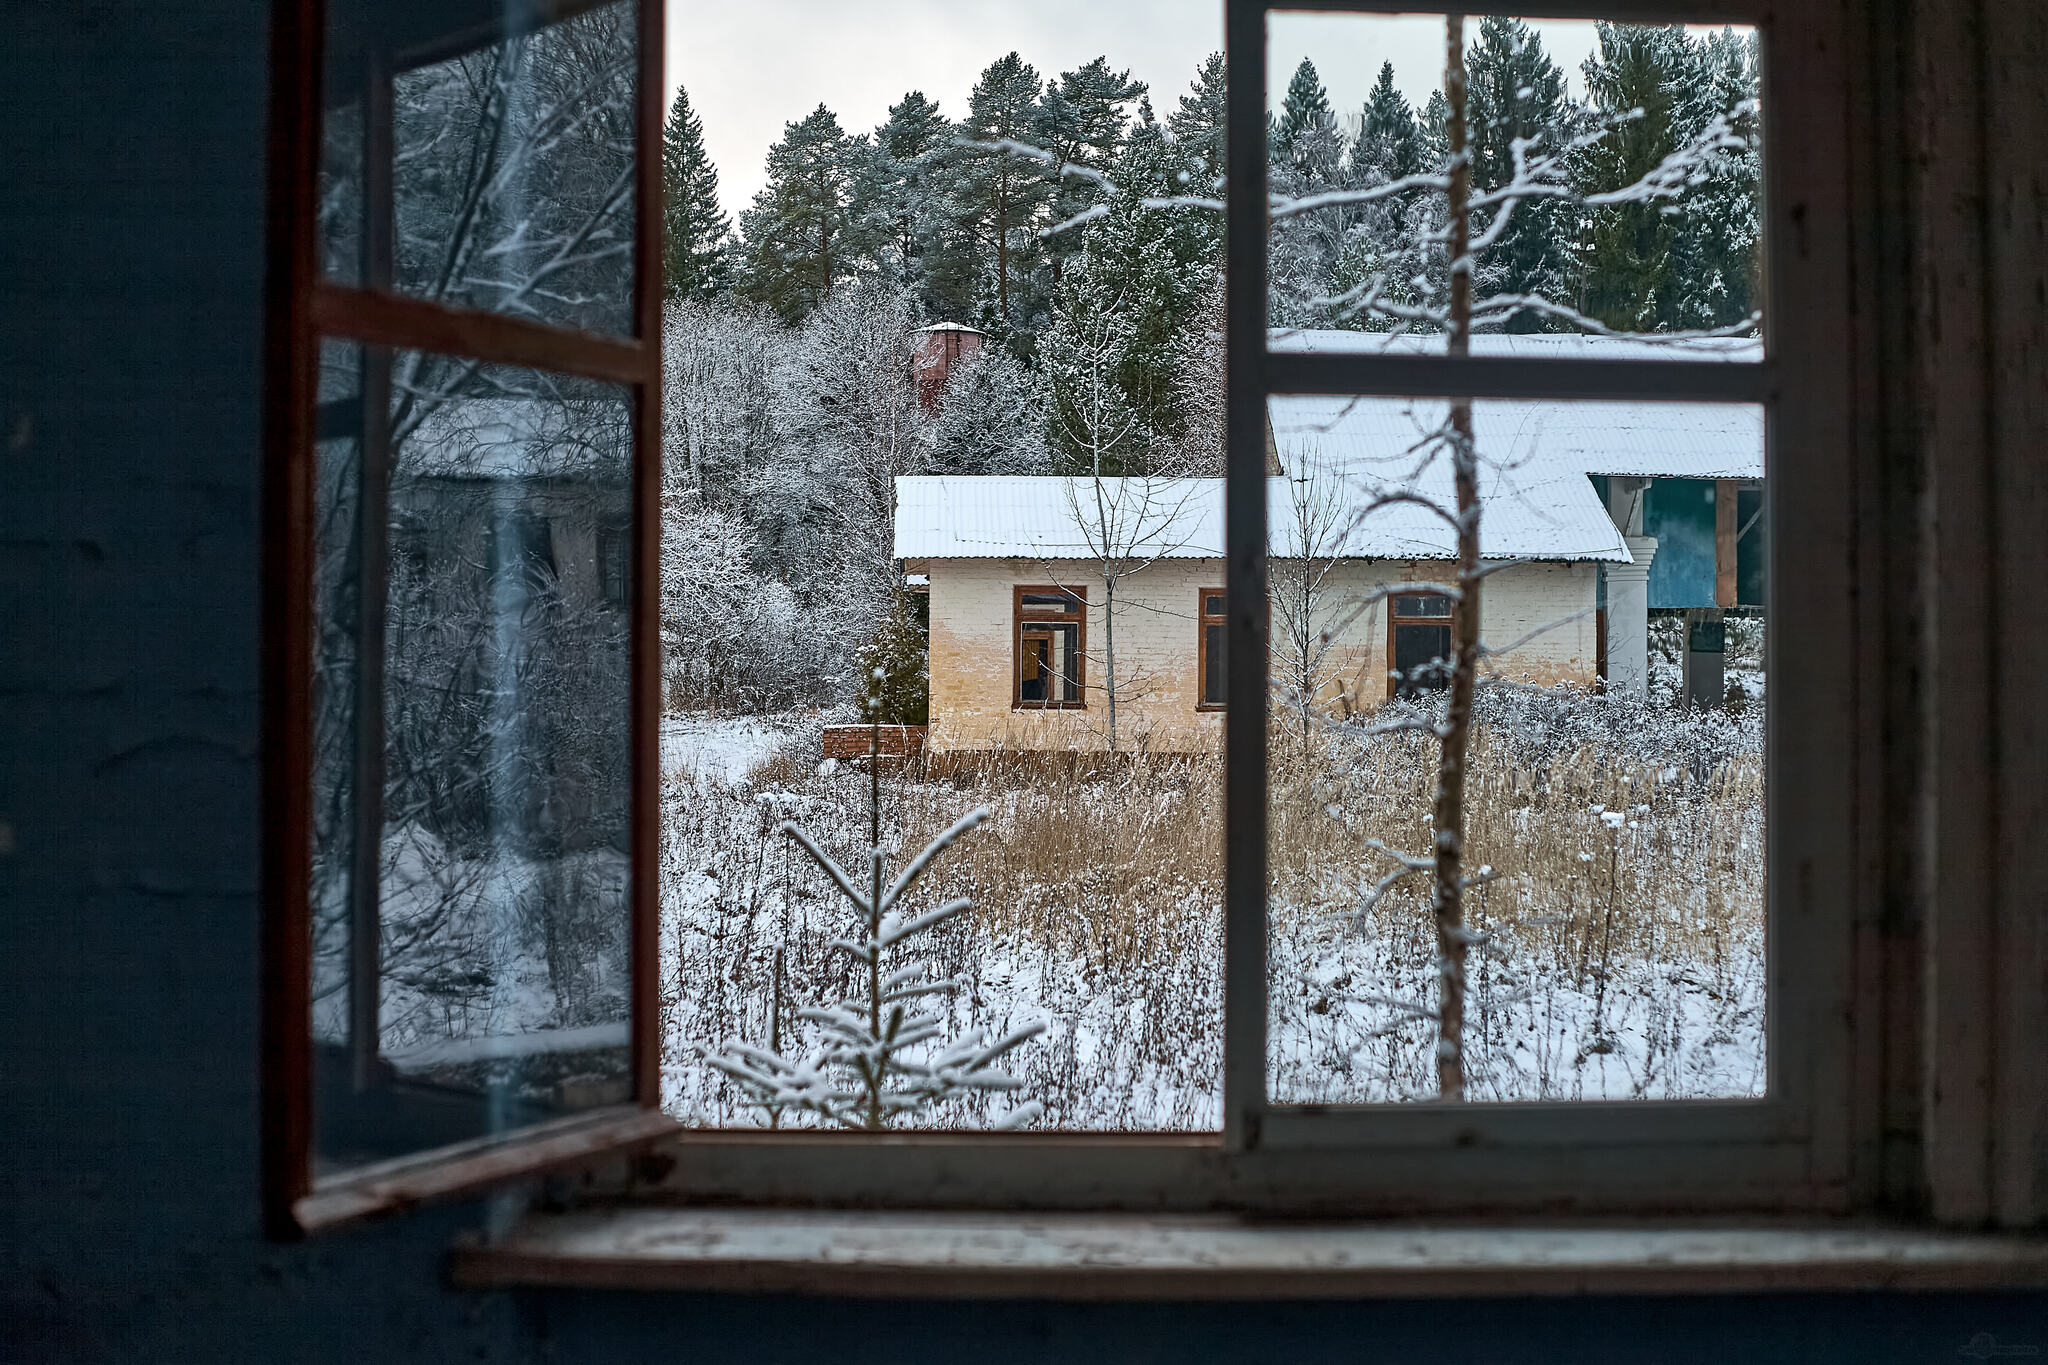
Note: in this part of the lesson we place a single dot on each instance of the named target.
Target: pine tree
(994, 198)
(907, 151)
(1081, 121)
(1517, 92)
(694, 228)
(811, 225)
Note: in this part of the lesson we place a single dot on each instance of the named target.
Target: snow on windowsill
(1150, 1256)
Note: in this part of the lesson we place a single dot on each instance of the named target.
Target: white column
(1628, 619)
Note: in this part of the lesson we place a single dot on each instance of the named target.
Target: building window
(1210, 645)
(1418, 644)
(1052, 637)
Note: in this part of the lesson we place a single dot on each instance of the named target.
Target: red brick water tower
(940, 347)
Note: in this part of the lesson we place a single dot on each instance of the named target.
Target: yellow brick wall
(1157, 658)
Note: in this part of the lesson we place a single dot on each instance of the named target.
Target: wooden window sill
(1133, 1256)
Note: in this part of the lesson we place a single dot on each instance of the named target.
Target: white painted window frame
(1811, 1146)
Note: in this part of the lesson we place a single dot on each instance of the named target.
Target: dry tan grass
(1098, 890)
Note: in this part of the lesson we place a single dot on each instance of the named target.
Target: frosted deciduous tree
(1304, 605)
(990, 419)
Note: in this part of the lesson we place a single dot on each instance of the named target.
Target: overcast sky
(752, 66)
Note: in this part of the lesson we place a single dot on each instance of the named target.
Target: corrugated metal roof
(1004, 517)
(1660, 440)
(1350, 453)
(1544, 345)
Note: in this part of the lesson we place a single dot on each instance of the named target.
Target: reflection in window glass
(509, 180)
(1613, 811)
(1616, 182)
(495, 907)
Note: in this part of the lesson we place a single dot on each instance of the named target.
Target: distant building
(1575, 497)
(938, 349)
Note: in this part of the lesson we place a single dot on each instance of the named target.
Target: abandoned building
(1596, 514)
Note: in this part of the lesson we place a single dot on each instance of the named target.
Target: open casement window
(1051, 643)
(464, 410)
(1212, 625)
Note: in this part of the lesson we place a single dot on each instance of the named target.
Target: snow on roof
(1538, 345)
(1535, 457)
(1659, 440)
(1018, 517)
(951, 327)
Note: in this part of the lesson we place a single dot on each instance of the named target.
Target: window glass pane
(504, 180)
(1432, 605)
(908, 427)
(1613, 791)
(1616, 182)
(495, 909)
(1048, 663)
(1213, 674)
(1212, 604)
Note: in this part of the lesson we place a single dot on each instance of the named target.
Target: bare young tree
(1305, 609)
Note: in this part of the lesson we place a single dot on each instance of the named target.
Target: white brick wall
(972, 647)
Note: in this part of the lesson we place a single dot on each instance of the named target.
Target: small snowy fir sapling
(880, 1055)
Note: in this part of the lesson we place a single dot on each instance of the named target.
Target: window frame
(1395, 620)
(1814, 1145)
(303, 308)
(1204, 619)
(1809, 1147)
(1019, 615)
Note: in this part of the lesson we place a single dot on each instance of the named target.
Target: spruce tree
(1661, 266)
(811, 225)
(1517, 92)
(1305, 135)
(1307, 151)
(1120, 319)
(1389, 141)
(1198, 128)
(694, 228)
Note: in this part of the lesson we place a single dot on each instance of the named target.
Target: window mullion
(1244, 725)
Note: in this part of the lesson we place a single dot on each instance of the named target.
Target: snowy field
(1623, 955)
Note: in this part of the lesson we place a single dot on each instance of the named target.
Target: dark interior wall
(131, 193)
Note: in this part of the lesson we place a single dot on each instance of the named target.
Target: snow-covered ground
(1113, 938)
(719, 750)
